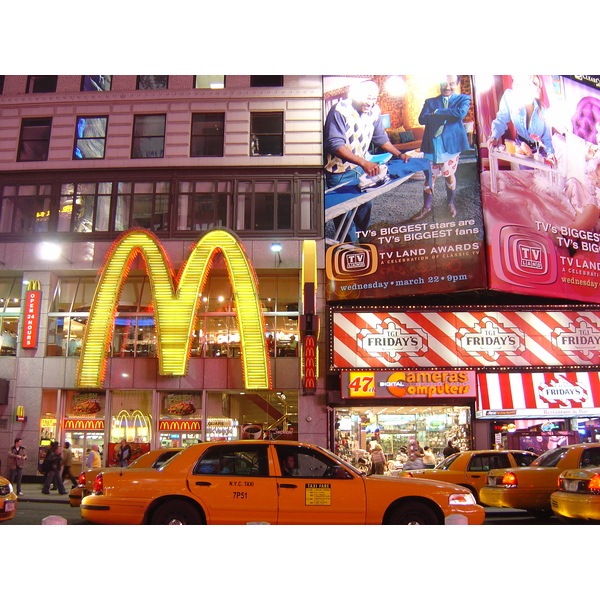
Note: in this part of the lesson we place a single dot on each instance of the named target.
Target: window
(90, 137)
(143, 204)
(241, 460)
(25, 208)
(308, 463)
(485, 462)
(35, 139)
(210, 82)
(84, 207)
(152, 82)
(148, 136)
(208, 134)
(590, 458)
(96, 83)
(40, 84)
(203, 204)
(2, 83)
(10, 310)
(264, 205)
(266, 80)
(266, 134)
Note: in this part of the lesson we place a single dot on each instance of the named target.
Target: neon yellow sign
(175, 304)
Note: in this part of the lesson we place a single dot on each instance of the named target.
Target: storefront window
(270, 415)
(180, 422)
(397, 428)
(131, 420)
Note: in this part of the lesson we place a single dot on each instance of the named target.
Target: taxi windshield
(550, 458)
(445, 464)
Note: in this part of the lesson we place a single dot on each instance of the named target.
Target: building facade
(85, 159)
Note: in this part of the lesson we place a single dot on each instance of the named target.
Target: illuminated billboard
(540, 147)
(175, 303)
(402, 201)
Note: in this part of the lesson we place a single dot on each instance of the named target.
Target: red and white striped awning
(538, 395)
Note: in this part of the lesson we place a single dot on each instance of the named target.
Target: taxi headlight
(463, 499)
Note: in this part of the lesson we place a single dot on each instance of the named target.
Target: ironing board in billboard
(402, 202)
(539, 137)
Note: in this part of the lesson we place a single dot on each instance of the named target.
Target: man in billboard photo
(445, 137)
(350, 128)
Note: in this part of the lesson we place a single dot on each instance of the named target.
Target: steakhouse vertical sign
(31, 322)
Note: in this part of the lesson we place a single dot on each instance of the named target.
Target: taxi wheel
(176, 512)
(540, 513)
(414, 513)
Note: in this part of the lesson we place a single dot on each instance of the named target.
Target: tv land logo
(347, 261)
(527, 258)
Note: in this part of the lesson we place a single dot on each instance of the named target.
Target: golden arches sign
(175, 305)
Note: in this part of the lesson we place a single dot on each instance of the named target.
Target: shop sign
(180, 404)
(309, 364)
(31, 321)
(408, 384)
(465, 339)
(195, 425)
(175, 302)
(538, 395)
(84, 424)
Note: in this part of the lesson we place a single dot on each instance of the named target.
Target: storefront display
(396, 428)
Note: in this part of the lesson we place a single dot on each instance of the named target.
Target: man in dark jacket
(51, 467)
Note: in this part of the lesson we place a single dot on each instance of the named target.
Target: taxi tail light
(407, 474)
(98, 484)
(509, 479)
(594, 485)
(81, 479)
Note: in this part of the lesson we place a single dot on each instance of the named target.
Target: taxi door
(233, 484)
(315, 490)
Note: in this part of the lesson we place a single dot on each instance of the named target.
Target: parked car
(578, 495)
(470, 468)
(152, 459)
(530, 488)
(8, 500)
(266, 481)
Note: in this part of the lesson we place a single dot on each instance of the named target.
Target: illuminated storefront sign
(408, 384)
(84, 424)
(31, 321)
(538, 395)
(195, 425)
(175, 303)
(465, 339)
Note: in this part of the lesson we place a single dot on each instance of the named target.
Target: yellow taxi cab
(85, 482)
(530, 488)
(8, 500)
(271, 482)
(470, 468)
(578, 495)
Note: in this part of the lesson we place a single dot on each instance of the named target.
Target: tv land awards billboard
(526, 197)
(421, 232)
(540, 183)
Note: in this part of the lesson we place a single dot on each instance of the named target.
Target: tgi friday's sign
(464, 338)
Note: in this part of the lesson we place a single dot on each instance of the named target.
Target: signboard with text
(416, 226)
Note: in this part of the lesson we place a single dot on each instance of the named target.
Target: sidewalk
(32, 492)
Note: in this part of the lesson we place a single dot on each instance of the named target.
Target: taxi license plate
(9, 505)
(571, 485)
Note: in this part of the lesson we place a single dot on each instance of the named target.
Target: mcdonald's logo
(84, 424)
(175, 304)
(195, 425)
